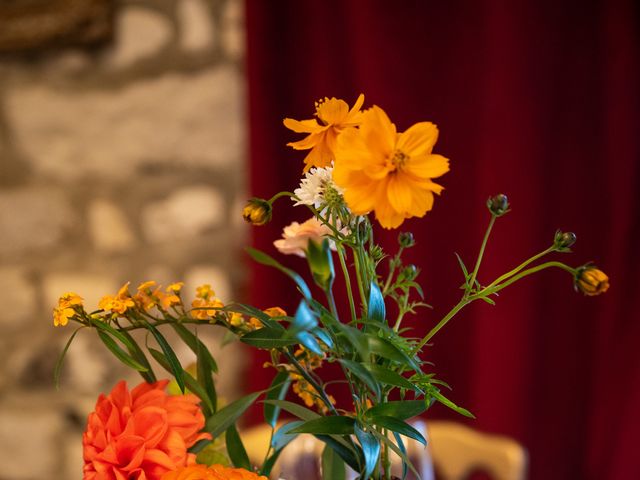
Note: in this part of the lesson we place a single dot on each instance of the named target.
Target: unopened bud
(409, 273)
(498, 205)
(257, 212)
(563, 240)
(591, 280)
(406, 240)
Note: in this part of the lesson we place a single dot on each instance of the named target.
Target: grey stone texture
(120, 163)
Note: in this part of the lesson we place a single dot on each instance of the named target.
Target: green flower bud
(563, 240)
(409, 273)
(498, 205)
(406, 240)
(257, 212)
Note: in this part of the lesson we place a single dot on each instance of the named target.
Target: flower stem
(472, 280)
(347, 280)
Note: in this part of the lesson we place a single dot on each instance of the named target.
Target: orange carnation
(142, 434)
(214, 472)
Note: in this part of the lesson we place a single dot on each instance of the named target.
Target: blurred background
(131, 133)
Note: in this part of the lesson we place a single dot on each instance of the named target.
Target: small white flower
(314, 185)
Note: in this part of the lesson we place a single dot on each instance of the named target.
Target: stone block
(175, 121)
(19, 293)
(33, 219)
(185, 213)
(140, 33)
(109, 228)
(233, 34)
(195, 25)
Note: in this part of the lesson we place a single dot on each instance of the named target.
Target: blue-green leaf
(400, 452)
(375, 309)
(277, 391)
(304, 319)
(309, 341)
(236, 450)
(370, 448)
(265, 259)
(323, 336)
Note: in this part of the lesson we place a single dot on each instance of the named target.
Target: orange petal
(419, 139)
(302, 126)
(427, 166)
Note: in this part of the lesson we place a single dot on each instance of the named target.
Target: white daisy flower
(316, 186)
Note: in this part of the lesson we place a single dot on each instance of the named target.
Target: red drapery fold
(538, 100)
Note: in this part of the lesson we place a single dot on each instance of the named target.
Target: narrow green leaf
(304, 319)
(389, 377)
(333, 425)
(375, 309)
(488, 300)
(120, 336)
(445, 401)
(333, 467)
(235, 449)
(388, 350)
(345, 450)
(309, 341)
(402, 409)
(396, 425)
(225, 417)
(251, 311)
(119, 353)
(323, 336)
(58, 367)
(403, 449)
(195, 344)
(370, 449)
(303, 413)
(265, 259)
(205, 379)
(281, 438)
(363, 374)
(267, 338)
(277, 391)
(176, 368)
(190, 382)
(139, 356)
(356, 339)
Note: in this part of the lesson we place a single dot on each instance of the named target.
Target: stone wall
(123, 163)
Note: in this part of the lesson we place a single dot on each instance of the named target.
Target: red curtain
(536, 99)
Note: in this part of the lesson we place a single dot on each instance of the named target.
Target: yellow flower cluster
(213, 472)
(150, 295)
(118, 303)
(66, 308)
(379, 169)
(205, 306)
(301, 387)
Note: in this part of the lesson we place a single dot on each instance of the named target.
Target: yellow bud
(257, 212)
(591, 281)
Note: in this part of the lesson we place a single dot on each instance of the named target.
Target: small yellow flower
(388, 172)
(591, 281)
(257, 212)
(167, 300)
(175, 287)
(68, 299)
(236, 319)
(333, 116)
(204, 291)
(119, 303)
(146, 286)
(204, 309)
(255, 324)
(61, 316)
(309, 395)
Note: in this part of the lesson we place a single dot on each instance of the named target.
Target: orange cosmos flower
(214, 472)
(333, 117)
(388, 172)
(140, 434)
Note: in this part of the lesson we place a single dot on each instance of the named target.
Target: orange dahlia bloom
(333, 116)
(140, 434)
(214, 472)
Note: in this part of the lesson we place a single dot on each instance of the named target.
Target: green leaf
(105, 327)
(396, 425)
(267, 338)
(139, 356)
(225, 417)
(333, 467)
(463, 267)
(205, 379)
(445, 401)
(370, 449)
(58, 368)
(402, 409)
(332, 425)
(277, 391)
(403, 449)
(304, 320)
(363, 374)
(119, 353)
(356, 339)
(320, 262)
(195, 344)
(176, 368)
(345, 450)
(299, 411)
(236, 450)
(375, 309)
(388, 350)
(252, 311)
(398, 451)
(210, 454)
(283, 436)
(488, 300)
(389, 377)
(190, 382)
(265, 259)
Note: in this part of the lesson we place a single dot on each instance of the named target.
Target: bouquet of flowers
(359, 171)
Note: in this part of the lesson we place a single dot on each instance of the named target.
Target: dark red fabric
(537, 99)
